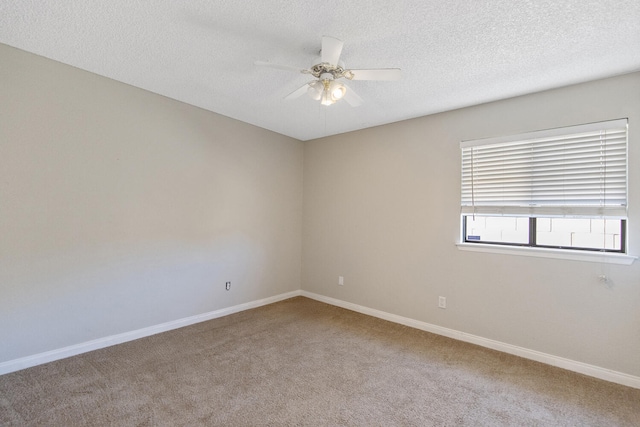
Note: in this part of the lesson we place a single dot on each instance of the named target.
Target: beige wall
(121, 209)
(381, 208)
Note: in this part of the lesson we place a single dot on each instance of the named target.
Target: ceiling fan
(326, 86)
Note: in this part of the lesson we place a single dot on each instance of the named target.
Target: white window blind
(572, 171)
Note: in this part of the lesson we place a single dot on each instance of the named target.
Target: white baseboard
(571, 365)
(73, 350)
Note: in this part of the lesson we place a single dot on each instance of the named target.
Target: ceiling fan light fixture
(328, 91)
(337, 91)
(326, 98)
(315, 90)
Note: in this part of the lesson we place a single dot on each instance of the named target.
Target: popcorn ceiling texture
(453, 54)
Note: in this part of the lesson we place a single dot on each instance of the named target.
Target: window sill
(606, 257)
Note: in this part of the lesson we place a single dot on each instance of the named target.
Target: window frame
(532, 248)
(532, 243)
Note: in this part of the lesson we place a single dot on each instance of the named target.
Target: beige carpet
(304, 363)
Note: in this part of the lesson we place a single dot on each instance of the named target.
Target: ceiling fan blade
(299, 92)
(331, 50)
(281, 67)
(379, 74)
(351, 97)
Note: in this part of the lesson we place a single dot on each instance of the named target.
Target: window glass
(497, 229)
(586, 233)
(574, 233)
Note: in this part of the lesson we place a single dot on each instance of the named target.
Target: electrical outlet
(227, 286)
(442, 302)
(341, 280)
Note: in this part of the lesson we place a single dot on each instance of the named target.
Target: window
(559, 188)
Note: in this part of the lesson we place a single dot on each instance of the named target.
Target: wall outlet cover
(442, 302)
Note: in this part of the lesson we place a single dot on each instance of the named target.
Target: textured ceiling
(452, 53)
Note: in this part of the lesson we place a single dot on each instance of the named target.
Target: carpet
(300, 362)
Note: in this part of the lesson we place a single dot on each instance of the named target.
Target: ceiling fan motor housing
(336, 71)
